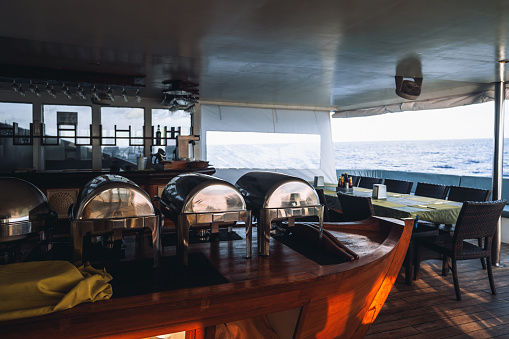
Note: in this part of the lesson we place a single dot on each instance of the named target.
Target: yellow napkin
(37, 288)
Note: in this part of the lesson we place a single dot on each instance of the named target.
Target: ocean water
(457, 157)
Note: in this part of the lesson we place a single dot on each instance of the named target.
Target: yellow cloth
(37, 288)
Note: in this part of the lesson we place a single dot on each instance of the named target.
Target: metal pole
(497, 164)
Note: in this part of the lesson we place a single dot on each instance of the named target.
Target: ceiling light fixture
(104, 83)
(182, 95)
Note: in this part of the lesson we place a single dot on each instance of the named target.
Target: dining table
(400, 206)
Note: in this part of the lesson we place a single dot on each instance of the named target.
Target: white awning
(418, 105)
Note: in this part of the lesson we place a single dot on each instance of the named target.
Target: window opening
(167, 127)
(15, 136)
(263, 150)
(122, 137)
(67, 141)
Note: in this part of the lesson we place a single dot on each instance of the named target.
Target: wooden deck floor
(429, 309)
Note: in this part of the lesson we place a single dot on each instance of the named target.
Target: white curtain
(243, 119)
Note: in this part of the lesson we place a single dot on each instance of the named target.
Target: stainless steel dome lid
(111, 196)
(275, 190)
(21, 201)
(201, 193)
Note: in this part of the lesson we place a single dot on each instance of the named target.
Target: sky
(465, 122)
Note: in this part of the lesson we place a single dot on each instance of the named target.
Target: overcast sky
(466, 122)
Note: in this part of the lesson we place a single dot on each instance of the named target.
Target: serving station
(321, 280)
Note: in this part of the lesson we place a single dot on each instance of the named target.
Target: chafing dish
(24, 211)
(275, 196)
(111, 204)
(202, 201)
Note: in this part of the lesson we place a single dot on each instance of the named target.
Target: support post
(497, 165)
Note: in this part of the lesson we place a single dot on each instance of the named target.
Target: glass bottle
(158, 136)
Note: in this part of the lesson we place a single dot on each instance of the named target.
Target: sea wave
(457, 157)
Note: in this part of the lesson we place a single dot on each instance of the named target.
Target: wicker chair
(368, 182)
(355, 180)
(398, 186)
(431, 190)
(329, 213)
(421, 230)
(476, 220)
(461, 194)
(355, 208)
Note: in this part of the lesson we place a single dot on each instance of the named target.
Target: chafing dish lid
(111, 196)
(21, 201)
(276, 190)
(201, 193)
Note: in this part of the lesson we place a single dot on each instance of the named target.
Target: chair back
(457, 193)
(398, 186)
(431, 190)
(355, 180)
(368, 182)
(355, 208)
(478, 219)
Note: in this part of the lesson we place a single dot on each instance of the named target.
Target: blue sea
(457, 157)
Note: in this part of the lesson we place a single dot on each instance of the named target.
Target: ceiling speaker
(408, 89)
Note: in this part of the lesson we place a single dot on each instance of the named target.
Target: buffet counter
(149, 179)
(287, 293)
(62, 187)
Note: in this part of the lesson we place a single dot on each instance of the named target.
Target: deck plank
(429, 309)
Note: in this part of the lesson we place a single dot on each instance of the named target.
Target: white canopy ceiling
(324, 54)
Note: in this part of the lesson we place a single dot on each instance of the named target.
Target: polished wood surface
(70, 182)
(337, 300)
(78, 178)
(429, 309)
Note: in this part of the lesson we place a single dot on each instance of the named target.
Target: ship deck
(429, 309)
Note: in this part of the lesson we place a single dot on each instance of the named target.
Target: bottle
(158, 136)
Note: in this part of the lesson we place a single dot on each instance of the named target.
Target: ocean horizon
(472, 157)
(455, 156)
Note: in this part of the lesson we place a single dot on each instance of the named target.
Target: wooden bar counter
(62, 187)
(221, 286)
(149, 180)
